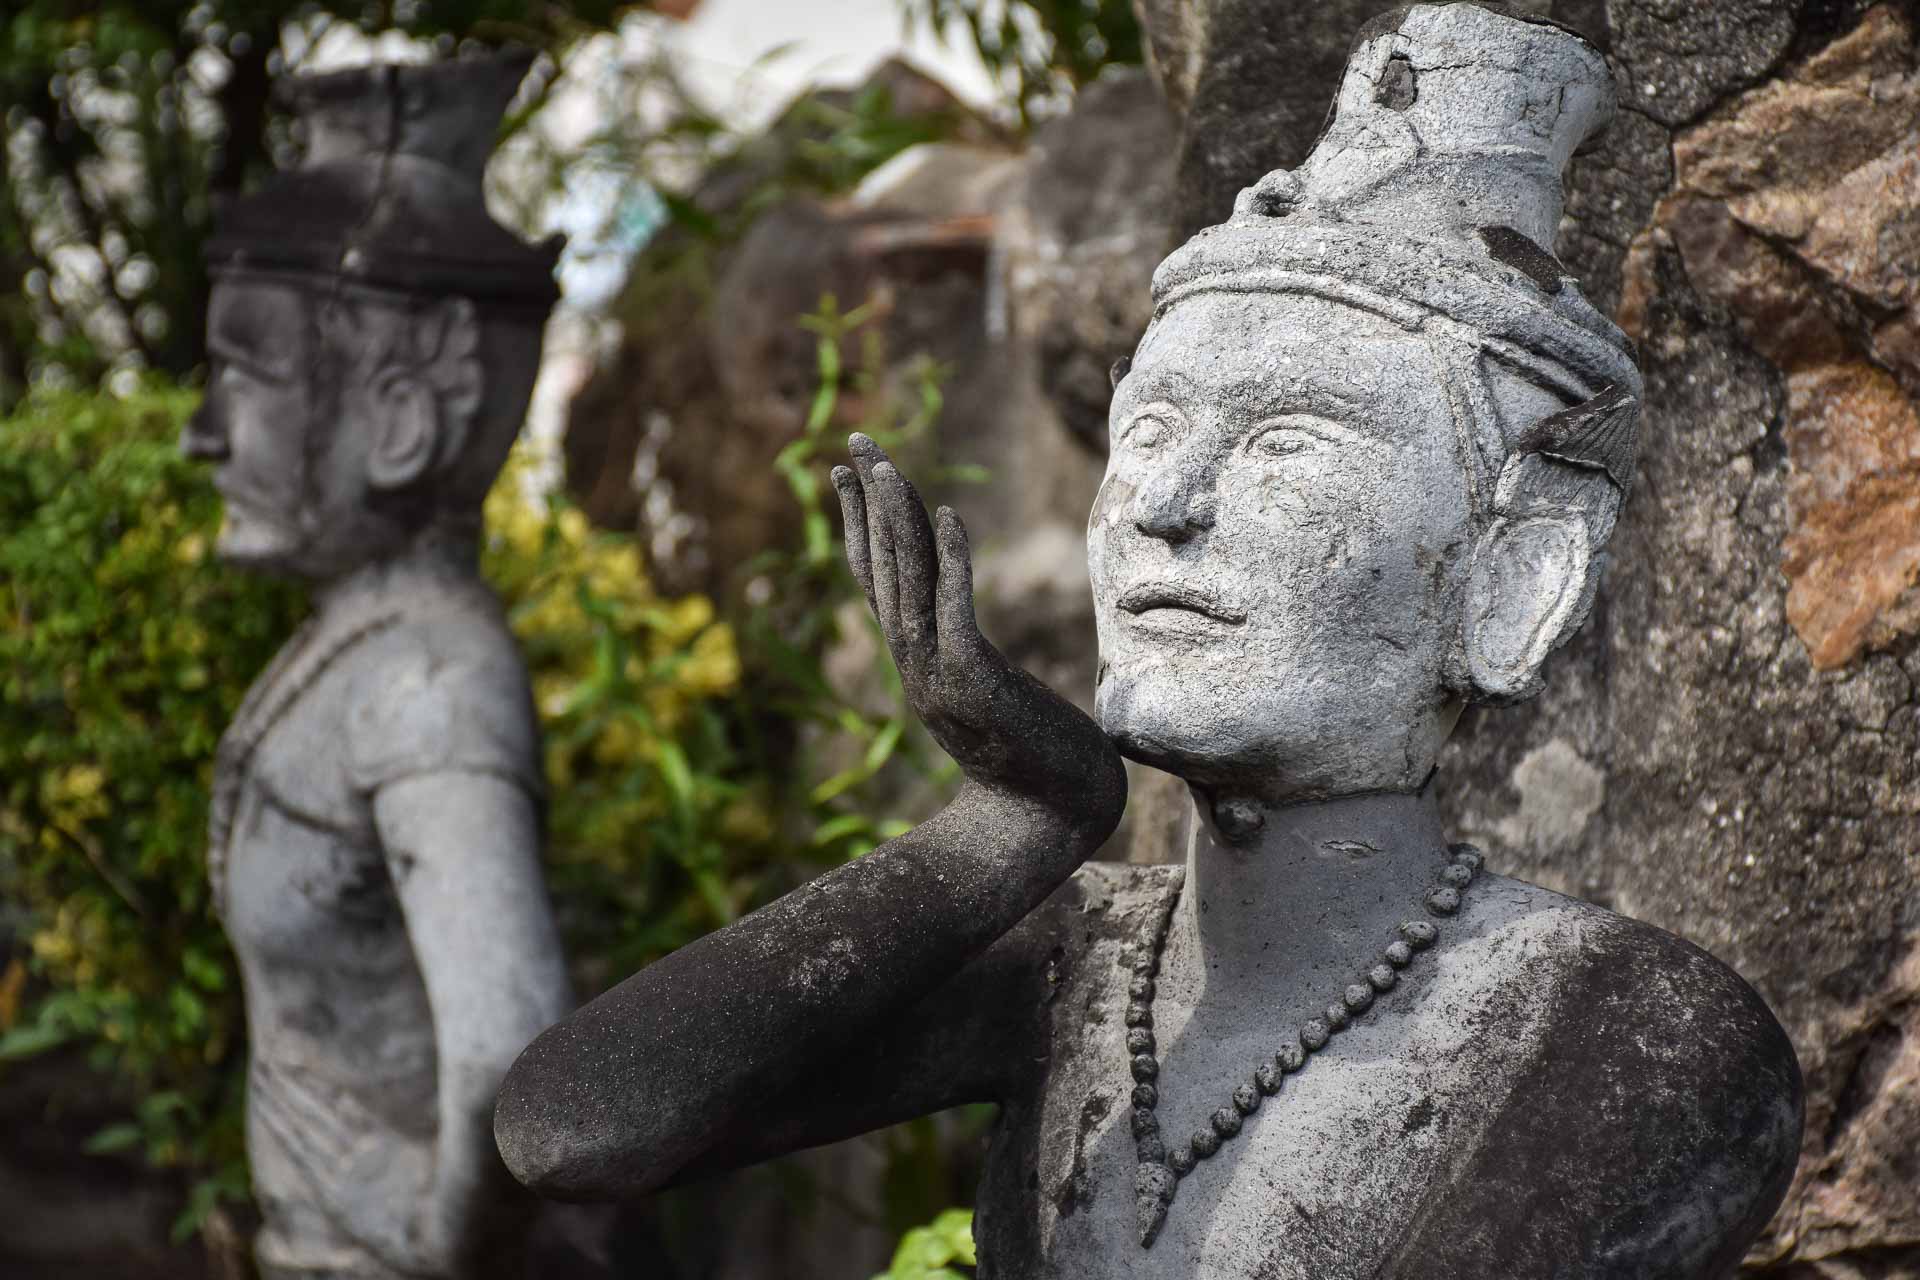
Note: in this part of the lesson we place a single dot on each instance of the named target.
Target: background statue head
(1367, 457)
(373, 334)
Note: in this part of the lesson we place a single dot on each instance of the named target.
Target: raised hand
(1007, 731)
(676, 1069)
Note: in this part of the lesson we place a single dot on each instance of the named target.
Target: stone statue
(1365, 463)
(377, 814)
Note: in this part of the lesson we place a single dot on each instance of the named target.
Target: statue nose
(1174, 513)
(204, 437)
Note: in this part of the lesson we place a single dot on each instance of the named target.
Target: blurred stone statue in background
(1364, 468)
(377, 816)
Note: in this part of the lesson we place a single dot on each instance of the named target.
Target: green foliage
(632, 693)
(123, 653)
(837, 143)
(941, 1250)
(785, 641)
(1039, 49)
(671, 742)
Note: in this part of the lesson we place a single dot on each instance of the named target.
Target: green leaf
(25, 1042)
(115, 1137)
(881, 749)
(847, 824)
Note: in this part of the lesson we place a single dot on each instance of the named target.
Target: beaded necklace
(1161, 1169)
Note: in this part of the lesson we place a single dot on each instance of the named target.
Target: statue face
(1278, 547)
(253, 422)
(306, 445)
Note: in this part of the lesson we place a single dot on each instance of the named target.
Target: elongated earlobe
(426, 396)
(408, 435)
(1523, 595)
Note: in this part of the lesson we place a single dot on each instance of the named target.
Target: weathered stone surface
(1250, 81)
(1295, 590)
(1751, 802)
(1797, 209)
(1680, 57)
(374, 828)
(1854, 555)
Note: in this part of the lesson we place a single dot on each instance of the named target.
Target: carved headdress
(1432, 199)
(389, 193)
(388, 198)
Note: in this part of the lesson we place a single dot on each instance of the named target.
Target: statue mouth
(1149, 597)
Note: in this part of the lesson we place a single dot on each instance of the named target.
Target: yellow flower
(80, 782)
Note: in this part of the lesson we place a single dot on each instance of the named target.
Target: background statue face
(341, 424)
(253, 422)
(1278, 547)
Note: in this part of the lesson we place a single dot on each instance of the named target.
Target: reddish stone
(1799, 210)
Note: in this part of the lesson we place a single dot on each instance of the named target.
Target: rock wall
(1728, 750)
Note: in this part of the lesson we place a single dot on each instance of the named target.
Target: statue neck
(1274, 893)
(443, 553)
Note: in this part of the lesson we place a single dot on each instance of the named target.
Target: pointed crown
(389, 192)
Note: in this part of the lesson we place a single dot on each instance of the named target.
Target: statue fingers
(882, 568)
(954, 595)
(915, 563)
(853, 519)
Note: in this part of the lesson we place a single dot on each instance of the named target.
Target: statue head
(1366, 459)
(372, 333)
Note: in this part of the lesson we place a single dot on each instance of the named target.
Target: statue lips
(1188, 602)
(241, 500)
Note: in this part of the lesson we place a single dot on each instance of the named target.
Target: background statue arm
(463, 849)
(869, 994)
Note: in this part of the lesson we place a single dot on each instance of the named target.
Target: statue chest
(296, 858)
(1331, 1177)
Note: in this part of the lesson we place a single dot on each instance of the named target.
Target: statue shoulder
(442, 691)
(1656, 1122)
(1079, 930)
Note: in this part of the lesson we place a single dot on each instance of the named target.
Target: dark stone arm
(848, 1004)
(975, 1039)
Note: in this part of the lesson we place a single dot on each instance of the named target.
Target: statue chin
(1280, 740)
(1156, 718)
(262, 545)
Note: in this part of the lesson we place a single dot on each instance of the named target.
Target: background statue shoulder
(442, 693)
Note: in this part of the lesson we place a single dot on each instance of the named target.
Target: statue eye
(1148, 431)
(1283, 442)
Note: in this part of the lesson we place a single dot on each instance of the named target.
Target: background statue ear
(1523, 595)
(407, 435)
(427, 398)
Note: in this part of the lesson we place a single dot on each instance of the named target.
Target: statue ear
(407, 430)
(1528, 579)
(1534, 575)
(425, 400)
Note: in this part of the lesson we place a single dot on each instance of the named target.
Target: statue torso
(1548, 1086)
(383, 686)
